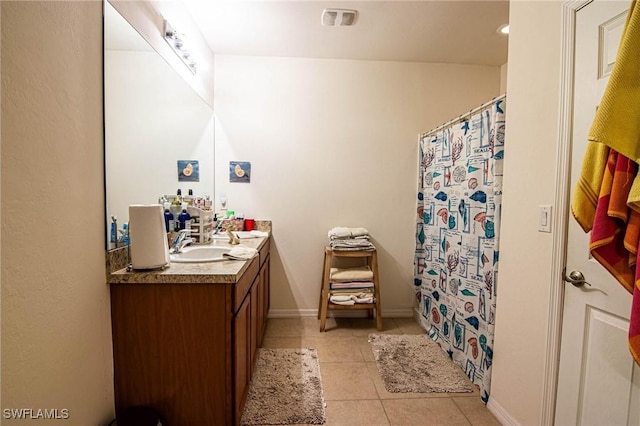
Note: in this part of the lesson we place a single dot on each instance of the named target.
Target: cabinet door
(242, 358)
(263, 308)
(255, 325)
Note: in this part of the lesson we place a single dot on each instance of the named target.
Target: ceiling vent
(339, 17)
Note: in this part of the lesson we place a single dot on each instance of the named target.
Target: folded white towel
(345, 232)
(359, 232)
(351, 299)
(259, 233)
(361, 273)
(350, 291)
(342, 300)
(240, 253)
(339, 232)
(351, 244)
(351, 284)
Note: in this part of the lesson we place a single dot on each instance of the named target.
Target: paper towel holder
(148, 249)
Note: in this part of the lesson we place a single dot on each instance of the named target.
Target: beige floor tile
(365, 326)
(429, 411)
(339, 326)
(337, 349)
(409, 326)
(285, 327)
(365, 347)
(476, 412)
(347, 381)
(355, 413)
(308, 326)
(285, 342)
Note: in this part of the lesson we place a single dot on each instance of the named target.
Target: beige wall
(334, 143)
(56, 336)
(503, 78)
(529, 169)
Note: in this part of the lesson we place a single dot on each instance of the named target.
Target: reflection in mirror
(153, 120)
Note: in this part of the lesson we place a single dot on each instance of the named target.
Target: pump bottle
(184, 218)
(168, 218)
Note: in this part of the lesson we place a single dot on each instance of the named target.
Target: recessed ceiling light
(503, 29)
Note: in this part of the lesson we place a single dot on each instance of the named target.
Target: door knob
(575, 277)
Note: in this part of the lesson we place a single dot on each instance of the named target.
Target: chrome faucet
(181, 241)
(218, 227)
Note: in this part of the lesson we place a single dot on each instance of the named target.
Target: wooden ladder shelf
(374, 308)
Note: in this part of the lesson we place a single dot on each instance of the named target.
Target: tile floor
(353, 389)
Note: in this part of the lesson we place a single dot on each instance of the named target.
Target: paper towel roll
(148, 238)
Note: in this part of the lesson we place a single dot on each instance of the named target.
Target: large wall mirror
(153, 119)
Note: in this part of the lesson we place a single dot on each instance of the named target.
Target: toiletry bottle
(168, 218)
(178, 200)
(184, 218)
(189, 198)
(125, 233)
(114, 231)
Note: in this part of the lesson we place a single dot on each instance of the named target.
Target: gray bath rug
(286, 389)
(415, 363)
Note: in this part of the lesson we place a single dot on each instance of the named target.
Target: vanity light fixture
(177, 43)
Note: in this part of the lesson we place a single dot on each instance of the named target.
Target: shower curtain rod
(460, 117)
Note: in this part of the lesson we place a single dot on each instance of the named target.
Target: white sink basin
(240, 234)
(199, 254)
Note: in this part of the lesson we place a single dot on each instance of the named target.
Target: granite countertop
(226, 271)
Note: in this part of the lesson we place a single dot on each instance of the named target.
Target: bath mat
(286, 388)
(415, 363)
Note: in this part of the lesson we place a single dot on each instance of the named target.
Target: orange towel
(611, 224)
(615, 237)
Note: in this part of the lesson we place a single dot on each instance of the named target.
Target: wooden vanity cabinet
(188, 350)
(250, 323)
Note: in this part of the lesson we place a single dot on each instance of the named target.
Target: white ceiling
(450, 31)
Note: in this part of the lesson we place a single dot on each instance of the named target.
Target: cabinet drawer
(243, 286)
(264, 251)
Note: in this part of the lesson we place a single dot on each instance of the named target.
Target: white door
(598, 383)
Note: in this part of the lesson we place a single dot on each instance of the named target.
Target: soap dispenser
(184, 218)
(168, 218)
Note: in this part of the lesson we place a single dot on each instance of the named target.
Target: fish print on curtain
(458, 217)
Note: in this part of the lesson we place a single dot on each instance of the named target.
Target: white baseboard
(501, 414)
(306, 313)
(292, 313)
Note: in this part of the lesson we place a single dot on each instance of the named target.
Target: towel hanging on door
(616, 128)
(617, 121)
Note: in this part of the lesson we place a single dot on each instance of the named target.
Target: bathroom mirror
(155, 125)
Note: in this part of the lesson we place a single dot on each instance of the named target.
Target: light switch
(544, 218)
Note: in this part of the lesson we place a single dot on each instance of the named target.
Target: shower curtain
(457, 230)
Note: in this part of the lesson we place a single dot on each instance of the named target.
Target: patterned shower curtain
(457, 227)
